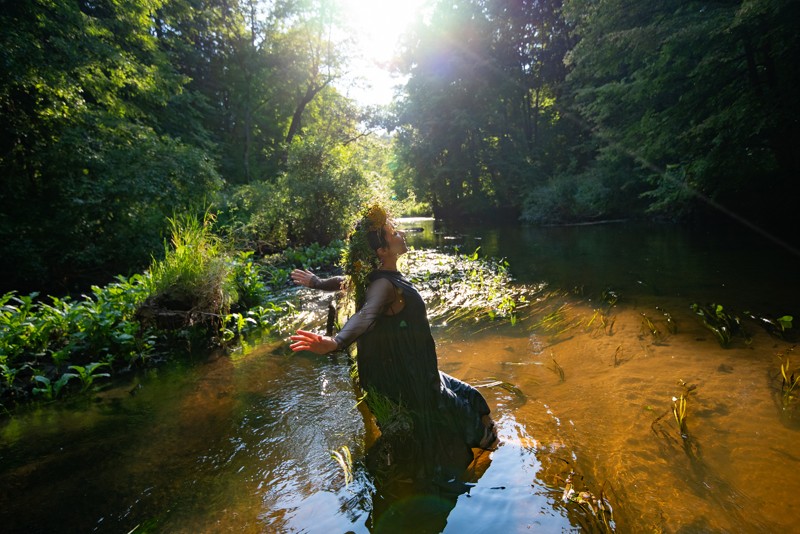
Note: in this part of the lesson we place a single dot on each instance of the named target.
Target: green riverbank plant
(41, 338)
(52, 346)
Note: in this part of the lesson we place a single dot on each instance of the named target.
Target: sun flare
(377, 27)
(379, 23)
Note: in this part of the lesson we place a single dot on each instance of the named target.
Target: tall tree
(87, 177)
(478, 121)
(698, 94)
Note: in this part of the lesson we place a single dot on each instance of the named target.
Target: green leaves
(692, 94)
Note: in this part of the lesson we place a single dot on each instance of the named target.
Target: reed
(345, 461)
(679, 410)
(790, 384)
(557, 369)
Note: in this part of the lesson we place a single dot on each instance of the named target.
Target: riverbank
(200, 295)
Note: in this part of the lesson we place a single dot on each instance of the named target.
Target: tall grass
(195, 275)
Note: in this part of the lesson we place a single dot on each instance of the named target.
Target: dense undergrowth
(202, 294)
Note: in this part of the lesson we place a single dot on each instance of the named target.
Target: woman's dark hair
(376, 238)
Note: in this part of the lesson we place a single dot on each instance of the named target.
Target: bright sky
(378, 25)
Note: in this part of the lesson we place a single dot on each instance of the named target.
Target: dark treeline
(115, 116)
(575, 110)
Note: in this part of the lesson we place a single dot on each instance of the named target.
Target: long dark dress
(397, 359)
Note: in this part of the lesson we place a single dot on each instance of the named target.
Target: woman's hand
(304, 278)
(310, 341)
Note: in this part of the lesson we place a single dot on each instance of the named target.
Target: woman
(396, 354)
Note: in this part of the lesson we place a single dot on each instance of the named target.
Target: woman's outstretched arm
(380, 295)
(306, 278)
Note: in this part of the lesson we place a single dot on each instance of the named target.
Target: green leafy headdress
(360, 257)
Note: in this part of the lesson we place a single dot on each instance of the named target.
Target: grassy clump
(194, 276)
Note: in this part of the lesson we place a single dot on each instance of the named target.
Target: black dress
(397, 359)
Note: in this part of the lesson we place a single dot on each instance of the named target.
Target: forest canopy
(119, 115)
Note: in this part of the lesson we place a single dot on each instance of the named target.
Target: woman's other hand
(312, 342)
(304, 278)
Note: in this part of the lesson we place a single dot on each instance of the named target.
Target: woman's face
(395, 240)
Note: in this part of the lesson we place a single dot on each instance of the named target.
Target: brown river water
(582, 391)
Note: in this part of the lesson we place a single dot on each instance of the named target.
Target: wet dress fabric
(397, 358)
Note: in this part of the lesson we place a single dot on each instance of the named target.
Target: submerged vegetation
(459, 287)
(598, 506)
(722, 323)
(790, 382)
(345, 461)
(679, 411)
(727, 325)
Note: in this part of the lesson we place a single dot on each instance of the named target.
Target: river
(587, 379)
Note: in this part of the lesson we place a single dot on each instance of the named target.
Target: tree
(87, 178)
(479, 122)
(698, 94)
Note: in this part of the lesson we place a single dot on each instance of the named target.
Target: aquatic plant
(597, 505)
(558, 322)
(314, 256)
(194, 278)
(649, 328)
(619, 356)
(680, 407)
(37, 334)
(558, 370)
(723, 324)
(392, 418)
(50, 389)
(774, 326)
(251, 286)
(679, 410)
(345, 461)
(600, 323)
(9, 373)
(493, 382)
(609, 296)
(459, 287)
(672, 326)
(790, 384)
